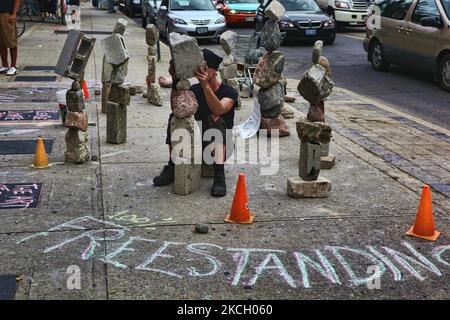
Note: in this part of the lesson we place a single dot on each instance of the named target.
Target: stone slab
(298, 188)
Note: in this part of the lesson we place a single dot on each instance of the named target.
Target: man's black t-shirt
(6, 6)
(203, 111)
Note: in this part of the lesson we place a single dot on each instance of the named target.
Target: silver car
(196, 18)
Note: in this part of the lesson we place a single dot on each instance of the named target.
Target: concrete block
(187, 178)
(186, 55)
(309, 163)
(297, 188)
(274, 11)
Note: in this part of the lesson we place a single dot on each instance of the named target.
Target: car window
(183, 5)
(382, 5)
(446, 5)
(300, 5)
(397, 9)
(425, 8)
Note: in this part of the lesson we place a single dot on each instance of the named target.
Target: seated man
(216, 104)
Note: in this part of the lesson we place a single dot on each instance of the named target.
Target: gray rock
(105, 94)
(115, 50)
(309, 163)
(202, 228)
(152, 50)
(227, 60)
(317, 51)
(274, 11)
(75, 100)
(315, 132)
(151, 74)
(120, 26)
(269, 70)
(151, 35)
(315, 85)
(183, 85)
(119, 94)
(154, 94)
(287, 113)
(116, 123)
(77, 147)
(271, 36)
(186, 55)
(229, 72)
(296, 188)
(271, 100)
(325, 149)
(228, 41)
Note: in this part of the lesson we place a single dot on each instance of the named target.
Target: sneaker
(219, 188)
(166, 177)
(4, 69)
(12, 71)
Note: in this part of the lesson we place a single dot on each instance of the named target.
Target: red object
(239, 211)
(85, 89)
(424, 226)
(238, 18)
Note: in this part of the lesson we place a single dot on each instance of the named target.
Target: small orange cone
(40, 157)
(85, 89)
(239, 211)
(424, 226)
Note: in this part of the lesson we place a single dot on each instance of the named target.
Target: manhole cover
(7, 287)
(27, 115)
(34, 78)
(23, 146)
(19, 195)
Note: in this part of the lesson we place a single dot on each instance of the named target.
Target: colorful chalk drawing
(28, 115)
(19, 195)
(251, 265)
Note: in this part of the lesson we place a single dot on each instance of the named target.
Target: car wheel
(377, 58)
(445, 73)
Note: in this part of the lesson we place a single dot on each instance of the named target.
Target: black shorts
(227, 136)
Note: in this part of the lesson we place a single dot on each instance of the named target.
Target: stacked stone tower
(153, 89)
(269, 73)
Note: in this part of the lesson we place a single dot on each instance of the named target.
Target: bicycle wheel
(20, 25)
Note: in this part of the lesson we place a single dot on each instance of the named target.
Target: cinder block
(187, 178)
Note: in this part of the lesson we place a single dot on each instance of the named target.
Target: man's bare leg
(13, 53)
(4, 57)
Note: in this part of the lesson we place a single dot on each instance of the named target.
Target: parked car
(130, 7)
(239, 12)
(149, 11)
(303, 20)
(412, 33)
(196, 18)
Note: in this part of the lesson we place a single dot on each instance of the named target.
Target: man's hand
(11, 18)
(201, 73)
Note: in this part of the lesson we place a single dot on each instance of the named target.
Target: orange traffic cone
(40, 157)
(424, 226)
(239, 211)
(85, 89)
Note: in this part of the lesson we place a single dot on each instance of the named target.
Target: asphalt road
(407, 90)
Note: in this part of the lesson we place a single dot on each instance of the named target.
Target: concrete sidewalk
(132, 240)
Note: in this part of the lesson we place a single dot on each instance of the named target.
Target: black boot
(219, 188)
(166, 177)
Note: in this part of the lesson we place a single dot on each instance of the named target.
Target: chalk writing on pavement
(19, 195)
(327, 265)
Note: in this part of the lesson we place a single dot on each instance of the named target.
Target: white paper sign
(250, 127)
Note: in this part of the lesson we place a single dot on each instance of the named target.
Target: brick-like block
(297, 188)
(68, 52)
(327, 162)
(187, 178)
(274, 11)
